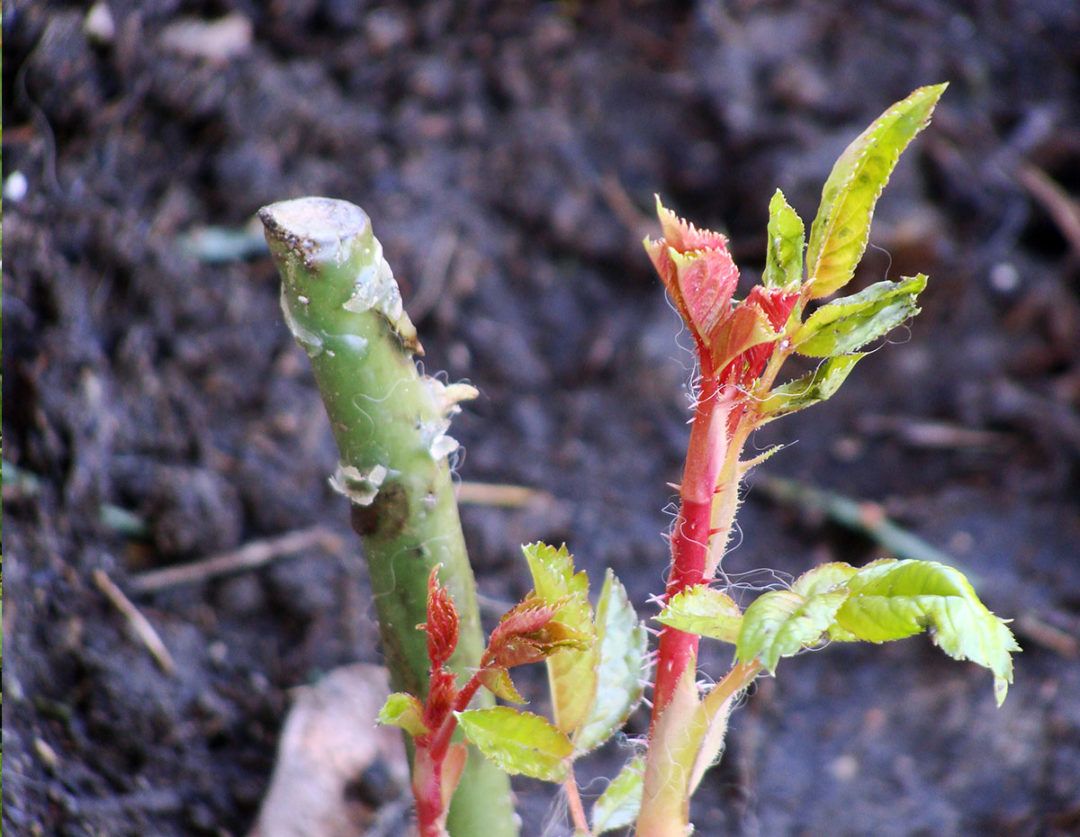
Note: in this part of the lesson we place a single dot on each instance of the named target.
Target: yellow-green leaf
(824, 578)
(787, 238)
(571, 672)
(553, 572)
(620, 802)
(705, 611)
(405, 711)
(812, 388)
(853, 321)
(839, 233)
(518, 742)
(622, 645)
(782, 622)
(891, 599)
(499, 682)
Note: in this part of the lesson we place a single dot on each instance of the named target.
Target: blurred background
(157, 413)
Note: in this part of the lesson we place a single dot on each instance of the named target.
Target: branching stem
(444, 734)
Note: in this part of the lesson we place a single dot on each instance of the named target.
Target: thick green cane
(344, 308)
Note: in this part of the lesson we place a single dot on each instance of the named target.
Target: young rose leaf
(405, 711)
(747, 326)
(824, 578)
(618, 805)
(697, 270)
(620, 669)
(553, 574)
(891, 599)
(852, 322)
(813, 388)
(839, 233)
(522, 620)
(442, 621)
(705, 611)
(498, 682)
(529, 634)
(741, 353)
(781, 622)
(518, 742)
(787, 238)
(572, 683)
(558, 636)
(571, 673)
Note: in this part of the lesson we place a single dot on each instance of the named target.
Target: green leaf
(824, 578)
(705, 611)
(553, 572)
(813, 388)
(891, 599)
(499, 682)
(519, 742)
(839, 233)
(619, 804)
(782, 622)
(787, 238)
(852, 322)
(571, 673)
(886, 600)
(405, 711)
(622, 644)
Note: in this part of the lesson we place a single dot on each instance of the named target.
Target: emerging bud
(529, 633)
(768, 309)
(442, 622)
(697, 270)
(442, 690)
(734, 339)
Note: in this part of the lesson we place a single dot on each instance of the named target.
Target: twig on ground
(1063, 210)
(639, 223)
(1030, 625)
(248, 557)
(932, 435)
(495, 494)
(140, 625)
(434, 275)
(866, 518)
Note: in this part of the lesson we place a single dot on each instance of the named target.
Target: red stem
(427, 791)
(428, 766)
(690, 538)
(441, 741)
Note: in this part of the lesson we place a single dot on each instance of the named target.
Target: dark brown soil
(157, 411)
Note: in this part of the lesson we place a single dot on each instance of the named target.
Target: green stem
(344, 308)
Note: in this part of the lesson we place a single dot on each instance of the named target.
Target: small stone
(99, 25)
(844, 768)
(15, 187)
(47, 755)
